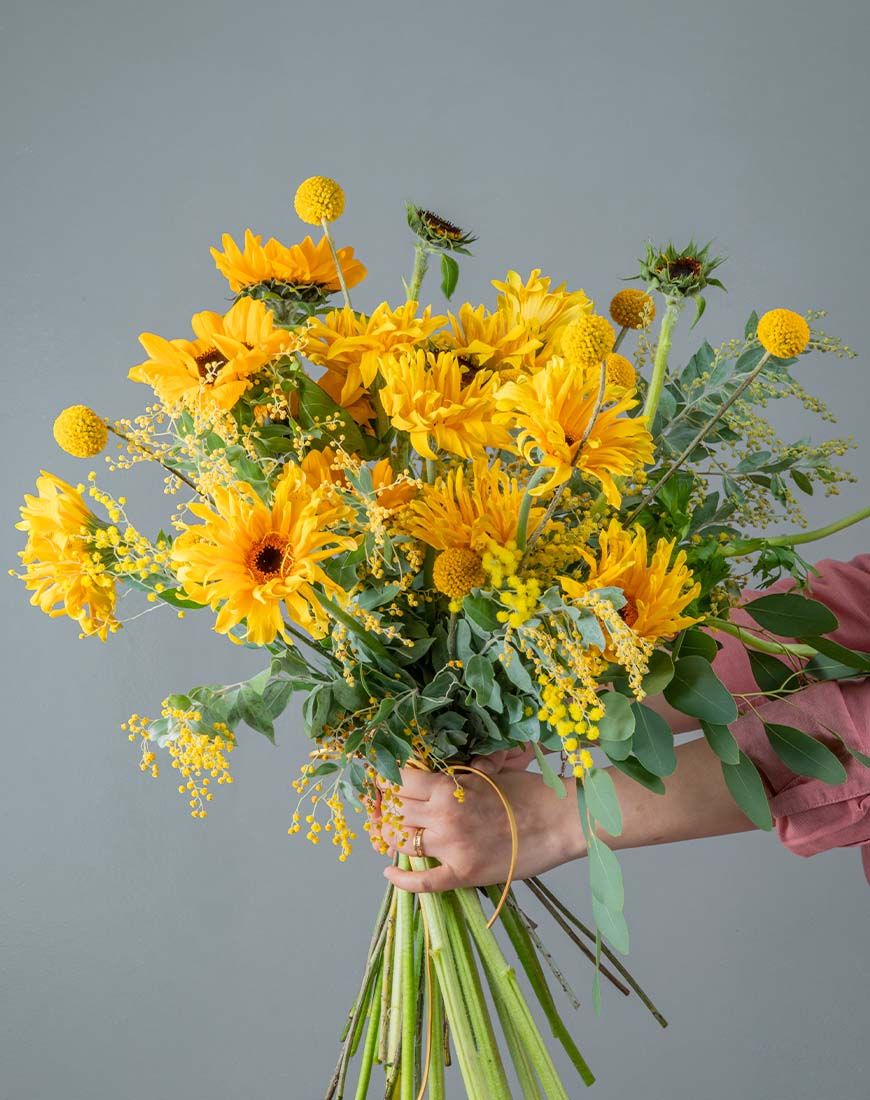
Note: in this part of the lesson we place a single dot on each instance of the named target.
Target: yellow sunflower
(657, 591)
(553, 409)
(253, 563)
(541, 312)
(61, 566)
(490, 341)
(424, 394)
(216, 368)
(306, 267)
(351, 345)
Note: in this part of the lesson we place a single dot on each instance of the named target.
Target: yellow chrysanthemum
(216, 368)
(351, 345)
(632, 308)
(80, 432)
(423, 394)
(468, 509)
(483, 340)
(540, 311)
(783, 333)
(61, 567)
(657, 591)
(305, 266)
(588, 340)
(253, 563)
(621, 375)
(456, 571)
(318, 199)
(553, 409)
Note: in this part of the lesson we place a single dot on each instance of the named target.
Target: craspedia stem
(336, 261)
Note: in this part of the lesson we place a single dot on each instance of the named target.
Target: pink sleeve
(812, 816)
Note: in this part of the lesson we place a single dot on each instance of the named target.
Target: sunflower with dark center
(438, 232)
(679, 273)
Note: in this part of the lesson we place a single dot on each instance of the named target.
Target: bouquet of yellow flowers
(458, 534)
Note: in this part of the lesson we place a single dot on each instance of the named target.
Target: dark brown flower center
(436, 224)
(629, 613)
(209, 364)
(684, 266)
(268, 558)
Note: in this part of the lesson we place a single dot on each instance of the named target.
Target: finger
(417, 784)
(401, 839)
(518, 759)
(490, 765)
(431, 881)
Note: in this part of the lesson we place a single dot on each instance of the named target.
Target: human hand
(471, 838)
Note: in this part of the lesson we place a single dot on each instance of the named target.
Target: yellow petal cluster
(540, 309)
(302, 265)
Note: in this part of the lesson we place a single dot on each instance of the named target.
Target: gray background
(145, 955)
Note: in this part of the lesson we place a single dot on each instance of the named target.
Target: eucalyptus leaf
(632, 767)
(602, 800)
(618, 721)
(791, 616)
(769, 672)
(551, 779)
(804, 754)
(611, 924)
(696, 690)
(721, 741)
(605, 875)
(748, 792)
(653, 742)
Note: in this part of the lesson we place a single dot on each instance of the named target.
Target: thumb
(431, 881)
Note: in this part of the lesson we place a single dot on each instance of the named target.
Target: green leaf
(616, 750)
(386, 763)
(659, 674)
(696, 690)
(449, 275)
(482, 611)
(480, 678)
(852, 658)
(653, 742)
(769, 672)
(550, 778)
(605, 876)
(636, 771)
(791, 616)
(618, 721)
(176, 598)
(316, 710)
(602, 801)
(463, 641)
(254, 712)
(611, 924)
(804, 754)
(721, 741)
(316, 407)
(802, 481)
(517, 672)
(747, 790)
(698, 643)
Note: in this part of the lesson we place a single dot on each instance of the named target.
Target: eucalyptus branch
(796, 538)
(751, 641)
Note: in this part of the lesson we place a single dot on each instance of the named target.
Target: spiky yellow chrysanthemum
(469, 508)
(621, 375)
(657, 590)
(632, 308)
(424, 394)
(305, 266)
(80, 432)
(588, 340)
(489, 341)
(253, 563)
(216, 368)
(319, 199)
(62, 568)
(553, 409)
(541, 312)
(351, 345)
(783, 333)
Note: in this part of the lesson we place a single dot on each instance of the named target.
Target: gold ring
(418, 843)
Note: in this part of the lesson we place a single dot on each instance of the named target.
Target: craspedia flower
(783, 333)
(319, 199)
(456, 571)
(588, 340)
(80, 432)
(632, 308)
(621, 374)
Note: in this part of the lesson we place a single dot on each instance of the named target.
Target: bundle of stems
(433, 969)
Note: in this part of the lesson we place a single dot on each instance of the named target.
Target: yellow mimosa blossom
(304, 266)
(318, 199)
(542, 312)
(80, 432)
(553, 409)
(424, 395)
(351, 345)
(215, 369)
(254, 563)
(481, 339)
(62, 568)
(783, 333)
(657, 590)
(632, 308)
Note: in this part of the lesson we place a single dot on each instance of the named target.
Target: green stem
(405, 947)
(421, 265)
(525, 950)
(793, 649)
(526, 507)
(377, 647)
(660, 362)
(368, 1055)
(387, 980)
(519, 1055)
(436, 1054)
(504, 980)
(798, 537)
(153, 454)
(620, 336)
(702, 434)
(338, 270)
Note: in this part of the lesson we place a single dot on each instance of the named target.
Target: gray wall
(145, 955)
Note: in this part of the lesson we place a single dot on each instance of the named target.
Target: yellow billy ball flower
(456, 571)
(80, 432)
(620, 372)
(783, 333)
(319, 198)
(588, 340)
(632, 308)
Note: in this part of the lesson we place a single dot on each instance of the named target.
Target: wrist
(570, 831)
